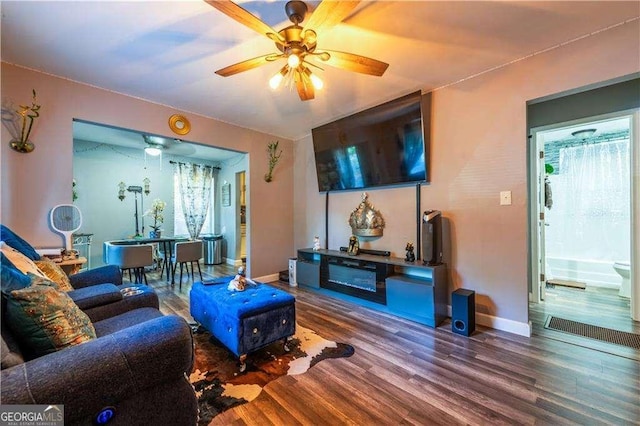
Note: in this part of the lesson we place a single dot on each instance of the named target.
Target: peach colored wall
(479, 148)
(33, 183)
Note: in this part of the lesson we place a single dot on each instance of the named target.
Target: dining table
(166, 243)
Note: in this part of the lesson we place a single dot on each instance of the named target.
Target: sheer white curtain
(194, 181)
(590, 217)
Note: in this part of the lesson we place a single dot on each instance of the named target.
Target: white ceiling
(167, 52)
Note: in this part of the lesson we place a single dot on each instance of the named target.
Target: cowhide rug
(217, 380)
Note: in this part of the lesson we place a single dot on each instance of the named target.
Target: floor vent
(567, 283)
(594, 332)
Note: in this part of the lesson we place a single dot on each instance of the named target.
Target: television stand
(408, 289)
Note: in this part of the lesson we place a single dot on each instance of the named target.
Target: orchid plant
(155, 212)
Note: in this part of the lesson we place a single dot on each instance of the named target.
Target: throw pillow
(54, 272)
(19, 260)
(45, 320)
(38, 280)
(8, 236)
(10, 277)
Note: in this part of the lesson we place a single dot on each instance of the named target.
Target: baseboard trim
(511, 326)
(233, 262)
(268, 278)
(502, 324)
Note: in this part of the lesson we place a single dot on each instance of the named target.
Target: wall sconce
(146, 182)
(121, 188)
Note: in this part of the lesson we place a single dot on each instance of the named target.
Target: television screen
(381, 146)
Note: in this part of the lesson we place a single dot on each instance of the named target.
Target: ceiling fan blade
(247, 65)
(327, 14)
(304, 86)
(351, 62)
(236, 12)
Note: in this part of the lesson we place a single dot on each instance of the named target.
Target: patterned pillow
(19, 260)
(54, 272)
(45, 320)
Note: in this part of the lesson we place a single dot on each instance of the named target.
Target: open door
(542, 199)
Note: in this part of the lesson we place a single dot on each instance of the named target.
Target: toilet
(624, 270)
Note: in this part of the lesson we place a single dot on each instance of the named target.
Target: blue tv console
(408, 289)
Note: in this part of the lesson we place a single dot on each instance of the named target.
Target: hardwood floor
(406, 373)
(594, 305)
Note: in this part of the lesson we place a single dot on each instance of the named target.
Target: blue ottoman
(243, 321)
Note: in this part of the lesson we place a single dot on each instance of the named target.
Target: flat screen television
(384, 145)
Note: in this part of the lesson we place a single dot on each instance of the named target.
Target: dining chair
(129, 257)
(184, 253)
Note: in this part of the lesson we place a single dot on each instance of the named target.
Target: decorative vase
(154, 234)
(23, 147)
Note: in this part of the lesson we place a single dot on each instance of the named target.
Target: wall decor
(179, 124)
(74, 191)
(274, 156)
(28, 115)
(226, 194)
(365, 220)
(121, 187)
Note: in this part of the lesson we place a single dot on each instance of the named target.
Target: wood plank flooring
(594, 305)
(406, 373)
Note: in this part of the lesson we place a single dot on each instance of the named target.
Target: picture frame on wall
(226, 194)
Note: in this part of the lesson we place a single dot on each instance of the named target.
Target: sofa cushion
(54, 272)
(96, 295)
(147, 298)
(18, 243)
(125, 320)
(45, 320)
(19, 260)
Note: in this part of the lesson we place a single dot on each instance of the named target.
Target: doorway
(241, 215)
(584, 254)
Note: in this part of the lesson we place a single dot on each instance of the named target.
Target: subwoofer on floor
(463, 312)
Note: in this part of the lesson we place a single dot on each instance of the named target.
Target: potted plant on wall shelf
(274, 157)
(155, 212)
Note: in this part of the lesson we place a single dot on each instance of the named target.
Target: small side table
(72, 266)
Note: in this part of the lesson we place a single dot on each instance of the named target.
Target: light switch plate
(505, 198)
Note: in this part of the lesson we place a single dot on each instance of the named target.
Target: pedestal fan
(66, 219)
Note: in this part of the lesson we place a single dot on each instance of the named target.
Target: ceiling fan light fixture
(153, 151)
(316, 81)
(583, 133)
(276, 80)
(293, 60)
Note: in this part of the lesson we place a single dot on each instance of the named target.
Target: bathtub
(595, 273)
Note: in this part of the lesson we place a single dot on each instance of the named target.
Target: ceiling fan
(156, 145)
(298, 45)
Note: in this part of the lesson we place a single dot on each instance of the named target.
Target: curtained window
(194, 199)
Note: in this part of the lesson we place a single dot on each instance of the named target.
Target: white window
(179, 224)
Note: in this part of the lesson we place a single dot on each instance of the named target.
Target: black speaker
(432, 237)
(463, 311)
